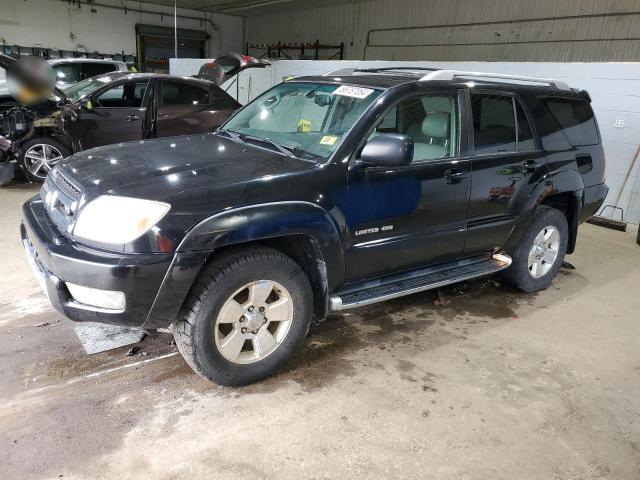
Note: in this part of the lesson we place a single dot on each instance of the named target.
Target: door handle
(530, 166)
(454, 175)
(133, 118)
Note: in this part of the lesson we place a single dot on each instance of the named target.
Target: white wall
(49, 23)
(614, 88)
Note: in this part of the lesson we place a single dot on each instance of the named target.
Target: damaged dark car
(115, 108)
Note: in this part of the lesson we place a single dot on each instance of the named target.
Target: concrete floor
(498, 385)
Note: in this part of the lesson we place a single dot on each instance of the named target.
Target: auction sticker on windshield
(355, 92)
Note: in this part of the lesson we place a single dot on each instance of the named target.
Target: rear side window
(175, 93)
(92, 69)
(494, 124)
(500, 125)
(576, 120)
(68, 72)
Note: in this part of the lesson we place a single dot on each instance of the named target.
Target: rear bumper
(56, 261)
(592, 200)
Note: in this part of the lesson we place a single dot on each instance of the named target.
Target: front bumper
(57, 260)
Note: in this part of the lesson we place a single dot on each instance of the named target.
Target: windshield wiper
(230, 134)
(288, 151)
(282, 148)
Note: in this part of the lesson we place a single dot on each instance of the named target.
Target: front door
(505, 165)
(185, 108)
(116, 115)
(406, 216)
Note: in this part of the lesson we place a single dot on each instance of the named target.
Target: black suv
(324, 193)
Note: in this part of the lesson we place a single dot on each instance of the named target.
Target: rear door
(506, 163)
(185, 108)
(116, 116)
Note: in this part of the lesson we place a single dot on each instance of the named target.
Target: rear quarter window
(575, 119)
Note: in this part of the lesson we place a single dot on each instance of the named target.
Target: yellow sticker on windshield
(304, 126)
(328, 140)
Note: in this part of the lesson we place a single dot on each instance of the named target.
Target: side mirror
(389, 149)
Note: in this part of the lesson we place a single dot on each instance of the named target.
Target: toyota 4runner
(323, 194)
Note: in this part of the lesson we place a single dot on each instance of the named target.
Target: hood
(169, 168)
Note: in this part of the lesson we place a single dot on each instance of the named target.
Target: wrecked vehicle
(323, 194)
(115, 108)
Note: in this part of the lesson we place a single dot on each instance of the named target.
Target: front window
(86, 87)
(309, 119)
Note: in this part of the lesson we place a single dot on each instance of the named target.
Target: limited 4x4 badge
(367, 231)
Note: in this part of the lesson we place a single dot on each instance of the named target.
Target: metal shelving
(306, 50)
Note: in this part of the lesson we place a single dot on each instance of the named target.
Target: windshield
(86, 87)
(309, 119)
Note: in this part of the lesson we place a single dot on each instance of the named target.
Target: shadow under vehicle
(115, 108)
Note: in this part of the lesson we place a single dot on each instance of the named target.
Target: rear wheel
(40, 155)
(247, 315)
(541, 251)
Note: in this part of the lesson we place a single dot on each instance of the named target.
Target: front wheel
(541, 251)
(40, 155)
(246, 316)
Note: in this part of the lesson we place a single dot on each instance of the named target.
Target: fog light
(93, 297)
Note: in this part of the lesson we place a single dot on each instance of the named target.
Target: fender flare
(567, 181)
(238, 226)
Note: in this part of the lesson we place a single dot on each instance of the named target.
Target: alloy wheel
(40, 158)
(544, 251)
(253, 322)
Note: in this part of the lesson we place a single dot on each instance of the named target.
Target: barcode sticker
(355, 92)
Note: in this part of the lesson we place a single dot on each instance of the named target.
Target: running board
(413, 282)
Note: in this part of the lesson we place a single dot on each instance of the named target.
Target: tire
(200, 337)
(35, 170)
(522, 273)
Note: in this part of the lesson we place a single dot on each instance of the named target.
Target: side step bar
(413, 282)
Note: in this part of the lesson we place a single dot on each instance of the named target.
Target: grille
(61, 197)
(65, 184)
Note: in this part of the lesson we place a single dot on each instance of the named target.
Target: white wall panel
(50, 23)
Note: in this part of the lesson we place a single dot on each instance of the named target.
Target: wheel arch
(563, 191)
(301, 230)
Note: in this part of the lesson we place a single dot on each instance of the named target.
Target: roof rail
(451, 74)
(339, 71)
(396, 69)
(351, 71)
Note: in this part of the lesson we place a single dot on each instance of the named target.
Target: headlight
(118, 220)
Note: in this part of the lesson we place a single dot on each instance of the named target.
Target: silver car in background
(69, 71)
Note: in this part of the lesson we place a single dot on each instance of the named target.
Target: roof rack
(396, 69)
(339, 72)
(451, 74)
(351, 71)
